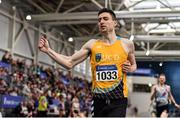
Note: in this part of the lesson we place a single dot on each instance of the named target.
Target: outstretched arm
(66, 61)
(172, 99)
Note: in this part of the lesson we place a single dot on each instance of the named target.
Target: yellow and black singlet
(108, 80)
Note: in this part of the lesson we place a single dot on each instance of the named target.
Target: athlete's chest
(103, 53)
(161, 91)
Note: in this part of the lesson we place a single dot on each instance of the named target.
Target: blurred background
(27, 74)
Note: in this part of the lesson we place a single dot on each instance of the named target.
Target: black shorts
(160, 109)
(109, 107)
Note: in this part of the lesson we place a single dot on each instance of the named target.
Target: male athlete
(111, 58)
(161, 92)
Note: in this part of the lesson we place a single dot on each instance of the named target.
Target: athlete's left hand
(177, 106)
(126, 66)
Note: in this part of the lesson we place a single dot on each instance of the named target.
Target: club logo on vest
(98, 57)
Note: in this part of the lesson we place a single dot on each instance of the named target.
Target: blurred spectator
(4, 74)
(21, 110)
(42, 105)
(14, 91)
(75, 109)
(60, 94)
(26, 91)
(31, 109)
(7, 57)
(135, 112)
(3, 86)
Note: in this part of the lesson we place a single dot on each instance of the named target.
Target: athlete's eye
(106, 18)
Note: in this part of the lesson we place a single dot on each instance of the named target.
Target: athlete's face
(162, 79)
(106, 23)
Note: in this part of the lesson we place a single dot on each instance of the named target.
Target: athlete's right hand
(43, 44)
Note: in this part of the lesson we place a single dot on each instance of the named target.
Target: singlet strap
(118, 37)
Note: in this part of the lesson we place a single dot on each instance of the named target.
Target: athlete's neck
(161, 84)
(109, 38)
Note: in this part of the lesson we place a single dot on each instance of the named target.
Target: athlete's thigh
(164, 114)
(97, 108)
(117, 109)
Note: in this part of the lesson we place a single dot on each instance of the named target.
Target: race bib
(162, 100)
(106, 73)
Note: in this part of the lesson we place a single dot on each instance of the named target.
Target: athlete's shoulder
(92, 41)
(129, 45)
(127, 41)
(167, 86)
(155, 86)
(89, 43)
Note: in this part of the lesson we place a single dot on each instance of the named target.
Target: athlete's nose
(101, 22)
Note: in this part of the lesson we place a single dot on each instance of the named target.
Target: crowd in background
(45, 91)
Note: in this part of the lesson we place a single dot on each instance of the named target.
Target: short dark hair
(108, 11)
(162, 74)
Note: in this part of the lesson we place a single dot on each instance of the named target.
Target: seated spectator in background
(68, 104)
(3, 86)
(14, 91)
(42, 105)
(26, 89)
(23, 80)
(21, 110)
(75, 107)
(7, 58)
(3, 73)
(31, 109)
(62, 107)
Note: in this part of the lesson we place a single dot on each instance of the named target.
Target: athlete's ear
(115, 23)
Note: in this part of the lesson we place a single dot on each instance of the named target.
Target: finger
(42, 38)
(126, 67)
(125, 71)
(126, 64)
(41, 43)
(45, 41)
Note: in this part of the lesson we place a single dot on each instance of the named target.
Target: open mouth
(103, 26)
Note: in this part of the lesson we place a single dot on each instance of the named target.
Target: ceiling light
(14, 8)
(61, 33)
(0, 1)
(70, 39)
(132, 38)
(147, 53)
(28, 17)
(161, 63)
(150, 84)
